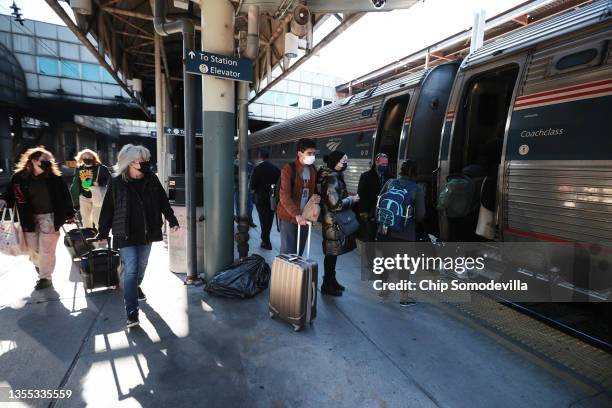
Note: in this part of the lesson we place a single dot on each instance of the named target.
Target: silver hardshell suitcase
(293, 287)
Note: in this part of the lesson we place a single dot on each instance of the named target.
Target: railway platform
(193, 349)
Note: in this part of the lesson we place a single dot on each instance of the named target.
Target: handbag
(312, 210)
(347, 222)
(12, 239)
(97, 192)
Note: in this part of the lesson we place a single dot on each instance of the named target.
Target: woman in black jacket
(43, 202)
(334, 199)
(133, 208)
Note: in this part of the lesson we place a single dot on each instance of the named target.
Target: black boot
(328, 287)
(338, 285)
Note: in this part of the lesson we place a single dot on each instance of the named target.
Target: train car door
(390, 127)
(473, 146)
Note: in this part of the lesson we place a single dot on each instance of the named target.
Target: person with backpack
(370, 184)
(133, 208)
(264, 176)
(335, 201)
(43, 204)
(401, 205)
(297, 186)
(88, 176)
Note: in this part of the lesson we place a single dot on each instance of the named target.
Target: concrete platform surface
(196, 350)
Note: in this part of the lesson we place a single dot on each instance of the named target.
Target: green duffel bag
(458, 198)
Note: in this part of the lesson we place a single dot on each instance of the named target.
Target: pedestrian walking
(43, 203)
(132, 209)
(90, 179)
(264, 176)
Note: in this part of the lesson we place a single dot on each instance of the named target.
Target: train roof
(539, 32)
(329, 116)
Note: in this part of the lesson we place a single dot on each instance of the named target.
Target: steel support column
(218, 128)
(6, 143)
(242, 236)
(159, 116)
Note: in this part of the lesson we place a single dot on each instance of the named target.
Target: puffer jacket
(334, 199)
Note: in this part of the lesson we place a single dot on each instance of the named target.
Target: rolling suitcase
(76, 240)
(100, 268)
(293, 287)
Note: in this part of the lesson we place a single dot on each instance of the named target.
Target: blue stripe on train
(577, 130)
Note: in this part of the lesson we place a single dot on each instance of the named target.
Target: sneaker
(252, 224)
(141, 296)
(266, 245)
(132, 319)
(407, 303)
(43, 284)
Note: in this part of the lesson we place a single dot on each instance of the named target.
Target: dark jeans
(288, 233)
(135, 260)
(266, 217)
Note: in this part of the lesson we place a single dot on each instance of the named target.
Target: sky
(372, 42)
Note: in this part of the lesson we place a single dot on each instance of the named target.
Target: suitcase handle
(314, 292)
(297, 249)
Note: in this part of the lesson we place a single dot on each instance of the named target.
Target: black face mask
(344, 166)
(145, 167)
(88, 162)
(45, 165)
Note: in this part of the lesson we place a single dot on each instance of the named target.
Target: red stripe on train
(564, 97)
(537, 236)
(561, 90)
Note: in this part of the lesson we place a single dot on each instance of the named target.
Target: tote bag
(97, 192)
(12, 239)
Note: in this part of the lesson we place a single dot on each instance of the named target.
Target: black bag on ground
(243, 279)
(75, 241)
(99, 268)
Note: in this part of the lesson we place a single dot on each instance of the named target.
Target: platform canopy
(121, 35)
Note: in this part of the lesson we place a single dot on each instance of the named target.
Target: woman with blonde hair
(43, 202)
(88, 176)
(133, 208)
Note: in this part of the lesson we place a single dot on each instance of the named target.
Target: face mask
(381, 169)
(344, 166)
(45, 164)
(145, 167)
(308, 160)
(88, 162)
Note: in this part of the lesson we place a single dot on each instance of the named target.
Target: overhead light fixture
(291, 45)
(83, 7)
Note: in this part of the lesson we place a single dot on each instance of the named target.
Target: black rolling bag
(100, 268)
(76, 240)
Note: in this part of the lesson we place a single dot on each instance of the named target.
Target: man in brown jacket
(298, 181)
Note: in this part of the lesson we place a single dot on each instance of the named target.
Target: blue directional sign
(221, 66)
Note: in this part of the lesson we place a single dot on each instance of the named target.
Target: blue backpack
(395, 207)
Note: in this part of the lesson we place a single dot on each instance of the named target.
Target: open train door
(390, 129)
(474, 134)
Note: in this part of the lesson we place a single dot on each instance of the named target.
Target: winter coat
(17, 193)
(369, 188)
(122, 201)
(290, 193)
(334, 199)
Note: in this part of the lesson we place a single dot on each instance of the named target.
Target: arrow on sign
(191, 54)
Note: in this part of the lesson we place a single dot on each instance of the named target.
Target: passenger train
(543, 93)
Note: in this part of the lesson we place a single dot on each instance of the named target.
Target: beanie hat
(333, 158)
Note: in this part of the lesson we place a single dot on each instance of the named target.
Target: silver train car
(543, 92)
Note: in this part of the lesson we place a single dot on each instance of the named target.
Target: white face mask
(308, 160)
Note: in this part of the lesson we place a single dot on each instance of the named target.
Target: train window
(346, 100)
(578, 59)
